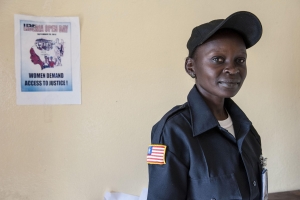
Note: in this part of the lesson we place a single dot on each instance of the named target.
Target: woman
(207, 148)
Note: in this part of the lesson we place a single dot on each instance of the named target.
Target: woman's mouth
(231, 84)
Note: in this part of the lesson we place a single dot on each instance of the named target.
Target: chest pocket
(216, 188)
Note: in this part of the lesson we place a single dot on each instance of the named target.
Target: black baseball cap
(243, 22)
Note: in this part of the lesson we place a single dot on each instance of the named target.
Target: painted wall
(132, 58)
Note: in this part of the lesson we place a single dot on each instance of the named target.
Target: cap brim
(245, 23)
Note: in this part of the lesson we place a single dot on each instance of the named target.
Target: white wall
(132, 58)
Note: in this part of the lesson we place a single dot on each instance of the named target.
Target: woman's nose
(231, 69)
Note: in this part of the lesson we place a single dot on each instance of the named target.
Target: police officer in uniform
(207, 148)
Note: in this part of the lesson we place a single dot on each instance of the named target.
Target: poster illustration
(47, 60)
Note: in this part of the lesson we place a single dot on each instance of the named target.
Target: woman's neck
(216, 105)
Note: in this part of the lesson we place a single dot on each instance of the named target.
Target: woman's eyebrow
(243, 52)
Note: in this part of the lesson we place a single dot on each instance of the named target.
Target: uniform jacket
(203, 160)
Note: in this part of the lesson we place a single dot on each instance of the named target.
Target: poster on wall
(47, 60)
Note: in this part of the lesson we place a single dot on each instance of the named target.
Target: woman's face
(220, 65)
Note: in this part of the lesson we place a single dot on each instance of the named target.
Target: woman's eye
(218, 59)
(241, 60)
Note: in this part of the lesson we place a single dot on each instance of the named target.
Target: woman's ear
(190, 67)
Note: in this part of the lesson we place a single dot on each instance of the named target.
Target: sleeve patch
(156, 154)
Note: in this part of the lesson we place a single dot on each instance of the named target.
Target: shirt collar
(203, 120)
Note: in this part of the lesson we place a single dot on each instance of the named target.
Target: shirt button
(213, 199)
(254, 183)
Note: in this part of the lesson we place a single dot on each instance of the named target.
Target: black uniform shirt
(203, 160)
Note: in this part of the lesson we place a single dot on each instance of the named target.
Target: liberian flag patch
(156, 154)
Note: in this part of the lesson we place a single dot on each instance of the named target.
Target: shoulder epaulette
(158, 127)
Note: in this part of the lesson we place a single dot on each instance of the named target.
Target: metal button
(254, 183)
(213, 199)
